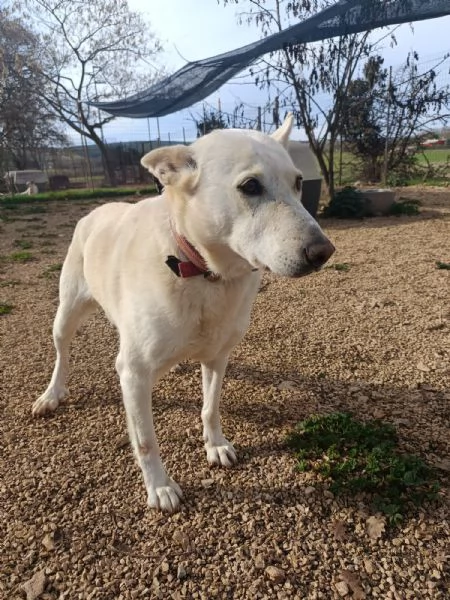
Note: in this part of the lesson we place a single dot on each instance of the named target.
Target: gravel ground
(374, 340)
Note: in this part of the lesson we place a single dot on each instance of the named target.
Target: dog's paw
(165, 497)
(48, 402)
(223, 455)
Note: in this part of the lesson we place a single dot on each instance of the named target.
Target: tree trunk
(108, 163)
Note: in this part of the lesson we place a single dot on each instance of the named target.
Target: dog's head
(236, 195)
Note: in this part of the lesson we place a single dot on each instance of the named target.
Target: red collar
(195, 263)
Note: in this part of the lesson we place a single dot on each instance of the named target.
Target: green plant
(406, 206)
(23, 256)
(340, 267)
(356, 457)
(349, 203)
(10, 283)
(24, 244)
(52, 270)
(5, 308)
(443, 265)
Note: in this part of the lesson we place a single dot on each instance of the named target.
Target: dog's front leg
(136, 384)
(219, 451)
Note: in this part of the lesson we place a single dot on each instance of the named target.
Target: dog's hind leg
(219, 451)
(137, 380)
(75, 306)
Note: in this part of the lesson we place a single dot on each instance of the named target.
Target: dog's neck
(194, 265)
(201, 261)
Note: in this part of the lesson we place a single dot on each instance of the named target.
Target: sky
(194, 29)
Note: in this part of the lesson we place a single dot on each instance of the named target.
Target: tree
(312, 80)
(96, 50)
(209, 121)
(27, 126)
(385, 113)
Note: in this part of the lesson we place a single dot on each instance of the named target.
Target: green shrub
(356, 457)
(406, 206)
(349, 203)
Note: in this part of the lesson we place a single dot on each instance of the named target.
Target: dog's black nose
(318, 252)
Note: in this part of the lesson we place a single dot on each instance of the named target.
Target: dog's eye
(299, 183)
(251, 187)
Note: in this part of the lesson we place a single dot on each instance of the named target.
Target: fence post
(388, 118)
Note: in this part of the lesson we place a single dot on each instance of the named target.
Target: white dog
(178, 275)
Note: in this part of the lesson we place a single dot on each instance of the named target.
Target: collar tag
(186, 268)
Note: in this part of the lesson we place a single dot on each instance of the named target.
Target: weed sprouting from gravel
(22, 257)
(23, 244)
(52, 270)
(356, 457)
(5, 308)
(340, 267)
(443, 265)
(47, 234)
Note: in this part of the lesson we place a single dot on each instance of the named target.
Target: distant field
(435, 155)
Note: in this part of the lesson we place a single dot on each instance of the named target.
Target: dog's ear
(170, 164)
(283, 132)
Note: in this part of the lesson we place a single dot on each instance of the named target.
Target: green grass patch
(363, 458)
(5, 308)
(23, 244)
(434, 155)
(22, 256)
(443, 265)
(340, 267)
(52, 270)
(79, 194)
(46, 235)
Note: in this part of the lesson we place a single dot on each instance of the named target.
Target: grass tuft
(5, 308)
(22, 257)
(23, 244)
(356, 457)
(340, 267)
(52, 270)
(443, 265)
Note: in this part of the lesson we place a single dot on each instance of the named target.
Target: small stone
(342, 588)
(48, 542)
(309, 490)
(34, 587)
(181, 538)
(181, 572)
(275, 574)
(259, 562)
(368, 565)
(165, 567)
(423, 367)
(206, 483)
(287, 385)
(328, 494)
